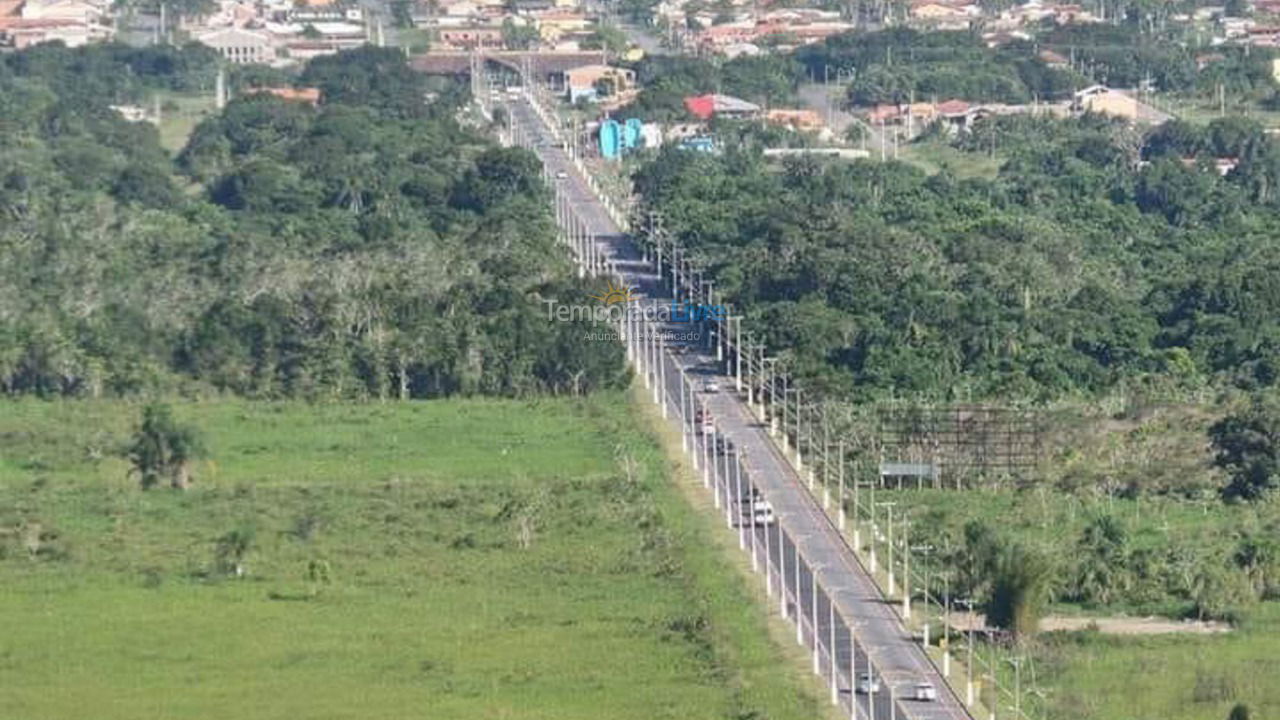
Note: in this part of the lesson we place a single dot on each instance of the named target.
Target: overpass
(541, 64)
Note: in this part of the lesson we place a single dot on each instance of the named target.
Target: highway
(801, 526)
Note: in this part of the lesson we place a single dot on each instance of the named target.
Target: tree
(607, 38)
(232, 549)
(1019, 589)
(521, 36)
(1103, 571)
(162, 448)
(1248, 446)
(402, 13)
(1239, 712)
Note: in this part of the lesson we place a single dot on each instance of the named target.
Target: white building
(240, 46)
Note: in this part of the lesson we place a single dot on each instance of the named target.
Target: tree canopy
(371, 246)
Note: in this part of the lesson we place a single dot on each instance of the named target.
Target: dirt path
(1121, 625)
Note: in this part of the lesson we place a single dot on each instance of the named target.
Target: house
(308, 95)
(132, 113)
(72, 22)
(465, 8)
(557, 23)
(582, 82)
(802, 120)
(76, 10)
(473, 36)
(943, 13)
(18, 33)
(239, 46)
(325, 14)
(727, 34)
(740, 50)
(1205, 60)
(1239, 27)
(955, 114)
(1072, 15)
(884, 114)
(1053, 60)
(1105, 101)
(712, 105)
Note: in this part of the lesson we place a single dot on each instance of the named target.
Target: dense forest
(372, 246)
(1096, 259)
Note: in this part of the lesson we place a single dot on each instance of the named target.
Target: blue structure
(631, 134)
(610, 139)
(699, 144)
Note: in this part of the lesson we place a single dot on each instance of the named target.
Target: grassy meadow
(1167, 677)
(459, 559)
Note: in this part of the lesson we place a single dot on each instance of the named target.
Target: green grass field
(1195, 677)
(177, 124)
(114, 605)
(1089, 676)
(932, 156)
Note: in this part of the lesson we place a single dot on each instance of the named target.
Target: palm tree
(1019, 589)
(232, 549)
(162, 448)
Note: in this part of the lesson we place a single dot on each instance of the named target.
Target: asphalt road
(801, 524)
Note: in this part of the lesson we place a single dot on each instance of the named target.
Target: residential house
(947, 14)
(75, 10)
(308, 95)
(712, 105)
(583, 82)
(802, 120)
(556, 24)
(472, 36)
(1053, 60)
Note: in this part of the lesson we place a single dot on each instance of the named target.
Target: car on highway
(868, 684)
(723, 445)
(707, 427)
(711, 386)
(757, 511)
(926, 692)
(561, 175)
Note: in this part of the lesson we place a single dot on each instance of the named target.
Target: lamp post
(923, 550)
(1016, 662)
(840, 471)
(769, 408)
(968, 666)
(888, 506)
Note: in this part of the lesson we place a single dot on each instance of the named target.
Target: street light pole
(840, 470)
(906, 569)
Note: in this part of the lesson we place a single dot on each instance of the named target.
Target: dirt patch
(1135, 625)
(1122, 625)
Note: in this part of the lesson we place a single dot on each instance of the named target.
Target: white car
(711, 386)
(707, 428)
(757, 512)
(868, 684)
(763, 515)
(926, 692)
(561, 175)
